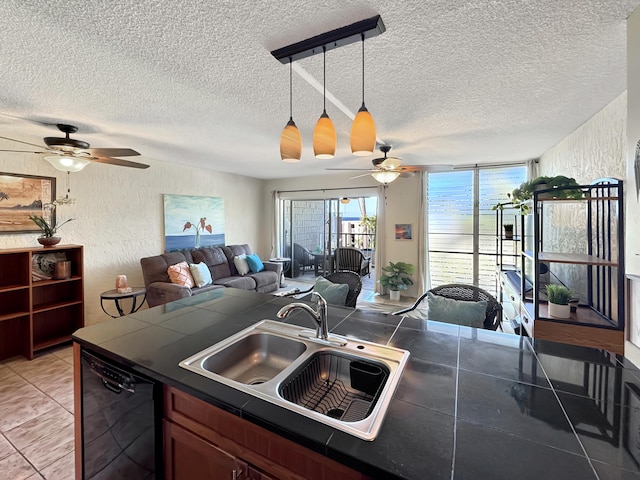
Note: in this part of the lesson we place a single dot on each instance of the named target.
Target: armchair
(352, 259)
(469, 293)
(301, 260)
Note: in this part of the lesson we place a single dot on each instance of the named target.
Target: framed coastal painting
(193, 221)
(21, 196)
(403, 231)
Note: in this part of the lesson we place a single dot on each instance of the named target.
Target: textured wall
(119, 215)
(595, 150)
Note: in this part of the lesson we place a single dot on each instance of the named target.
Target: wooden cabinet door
(189, 457)
(254, 474)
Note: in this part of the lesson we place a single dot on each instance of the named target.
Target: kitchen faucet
(319, 315)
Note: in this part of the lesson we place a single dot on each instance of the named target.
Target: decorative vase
(394, 295)
(559, 311)
(49, 241)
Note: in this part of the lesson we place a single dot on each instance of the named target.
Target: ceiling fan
(387, 169)
(70, 154)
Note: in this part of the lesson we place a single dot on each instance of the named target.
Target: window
(461, 223)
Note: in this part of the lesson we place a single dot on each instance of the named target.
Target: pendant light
(324, 134)
(291, 140)
(363, 130)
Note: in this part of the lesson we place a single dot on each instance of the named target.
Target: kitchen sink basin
(254, 359)
(346, 384)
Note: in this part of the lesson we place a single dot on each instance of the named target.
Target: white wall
(119, 214)
(401, 207)
(595, 150)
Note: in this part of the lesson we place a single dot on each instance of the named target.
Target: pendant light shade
(324, 134)
(324, 137)
(363, 130)
(291, 143)
(291, 140)
(363, 133)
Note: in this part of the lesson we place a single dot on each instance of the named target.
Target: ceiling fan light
(291, 143)
(363, 133)
(324, 138)
(66, 163)
(384, 176)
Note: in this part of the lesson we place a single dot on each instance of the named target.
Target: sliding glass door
(313, 228)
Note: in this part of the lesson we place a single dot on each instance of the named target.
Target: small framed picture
(403, 231)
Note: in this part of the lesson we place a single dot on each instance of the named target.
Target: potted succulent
(48, 226)
(396, 277)
(559, 297)
(508, 230)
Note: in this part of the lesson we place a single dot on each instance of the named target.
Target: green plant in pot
(563, 187)
(396, 277)
(559, 297)
(49, 228)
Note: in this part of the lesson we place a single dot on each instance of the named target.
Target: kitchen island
(472, 404)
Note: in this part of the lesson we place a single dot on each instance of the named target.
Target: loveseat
(221, 265)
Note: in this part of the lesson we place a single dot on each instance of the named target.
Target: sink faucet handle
(321, 312)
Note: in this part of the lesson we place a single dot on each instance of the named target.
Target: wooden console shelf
(38, 314)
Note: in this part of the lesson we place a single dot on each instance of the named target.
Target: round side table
(134, 295)
(286, 265)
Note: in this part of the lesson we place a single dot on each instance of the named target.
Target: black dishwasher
(121, 436)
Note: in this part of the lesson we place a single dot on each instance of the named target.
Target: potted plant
(564, 187)
(396, 277)
(508, 230)
(48, 226)
(559, 297)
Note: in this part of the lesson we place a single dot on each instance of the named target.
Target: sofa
(221, 265)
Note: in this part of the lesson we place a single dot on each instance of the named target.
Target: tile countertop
(472, 404)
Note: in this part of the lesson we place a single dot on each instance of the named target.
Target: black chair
(350, 278)
(469, 293)
(302, 259)
(352, 259)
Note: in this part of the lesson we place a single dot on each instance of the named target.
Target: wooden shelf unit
(599, 320)
(38, 314)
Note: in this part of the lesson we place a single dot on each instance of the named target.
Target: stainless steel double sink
(344, 382)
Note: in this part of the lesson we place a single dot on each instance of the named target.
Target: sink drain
(335, 413)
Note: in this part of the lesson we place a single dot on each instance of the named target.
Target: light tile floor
(36, 416)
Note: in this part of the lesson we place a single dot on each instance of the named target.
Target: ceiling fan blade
(20, 141)
(22, 151)
(117, 161)
(352, 169)
(111, 152)
(413, 168)
(359, 176)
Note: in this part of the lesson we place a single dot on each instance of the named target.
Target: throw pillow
(201, 274)
(180, 274)
(240, 261)
(255, 264)
(460, 312)
(333, 293)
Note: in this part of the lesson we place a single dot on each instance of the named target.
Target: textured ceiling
(193, 82)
